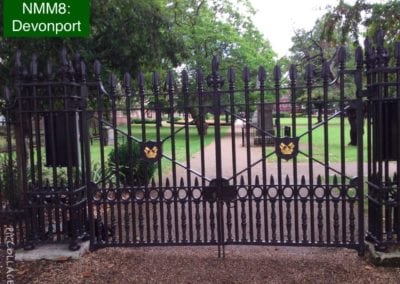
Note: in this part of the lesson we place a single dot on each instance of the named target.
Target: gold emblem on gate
(151, 153)
(287, 149)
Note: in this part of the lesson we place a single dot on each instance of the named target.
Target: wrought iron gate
(229, 193)
(205, 159)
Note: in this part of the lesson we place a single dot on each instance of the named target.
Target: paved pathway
(255, 155)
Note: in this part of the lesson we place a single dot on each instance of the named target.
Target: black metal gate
(275, 189)
(204, 159)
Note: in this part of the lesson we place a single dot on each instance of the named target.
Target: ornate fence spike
(231, 75)
(181, 183)
(272, 180)
(63, 56)
(335, 180)
(199, 77)
(113, 82)
(214, 64)
(319, 180)
(82, 66)
(257, 181)
(293, 72)
(326, 70)
(246, 74)
(49, 69)
(277, 73)
(262, 74)
(7, 94)
(397, 50)
(34, 65)
(97, 68)
(342, 55)
(287, 180)
(242, 180)
(167, 183)
(17, 61)
(170, 79)
(380, 39)
(359, 55)
(367, 47)
(309, 72)
(127, 82)
(140, 80)
(196, 182)
(303, 180)
(185, 77)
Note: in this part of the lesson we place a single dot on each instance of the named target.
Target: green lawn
(165, 132)
(334, 144)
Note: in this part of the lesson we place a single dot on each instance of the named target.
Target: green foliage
(343, 21)
(132, 169)
(10, 191)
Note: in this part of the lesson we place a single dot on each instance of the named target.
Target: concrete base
(389, 259)
(58, 252)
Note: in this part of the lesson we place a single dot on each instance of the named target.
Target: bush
(9, 186)
(140, 172)
(146, 121)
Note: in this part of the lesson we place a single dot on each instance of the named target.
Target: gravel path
(248, 264)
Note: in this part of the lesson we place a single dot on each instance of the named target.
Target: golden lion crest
(287, 149)
(151, 153)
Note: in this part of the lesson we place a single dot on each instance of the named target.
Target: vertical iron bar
(293, 90)
(309, 77)
(342, 59)
(277, 78)
(325, 75)
(231, 79)
(186, 94)
(159, 110)
(246, 79)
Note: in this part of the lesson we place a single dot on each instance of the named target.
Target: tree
(349, 18)
(221, 28)
(126, 35)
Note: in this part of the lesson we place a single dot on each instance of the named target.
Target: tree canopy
(133, 35)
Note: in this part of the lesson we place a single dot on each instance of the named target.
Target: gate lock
(219, 190)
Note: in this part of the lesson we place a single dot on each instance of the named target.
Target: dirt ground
(245, 264)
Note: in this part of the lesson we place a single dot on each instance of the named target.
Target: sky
(277, 19)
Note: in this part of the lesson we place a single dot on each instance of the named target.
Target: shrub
(9, 186)
(140, 172)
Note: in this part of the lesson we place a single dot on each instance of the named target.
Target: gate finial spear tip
(292, 72)
(342, 54)
(214, 64)
(261, 73)
(397, 50)
(231, 74)
(113, 81)
(34, 67)
(97, 67)
(141, 79)
(379, 38)
(7, 94)
(325, 70)
(359, 55)
(309, 71)
(185, 77)
(277, 73)
(63, 56)
(127, 80)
